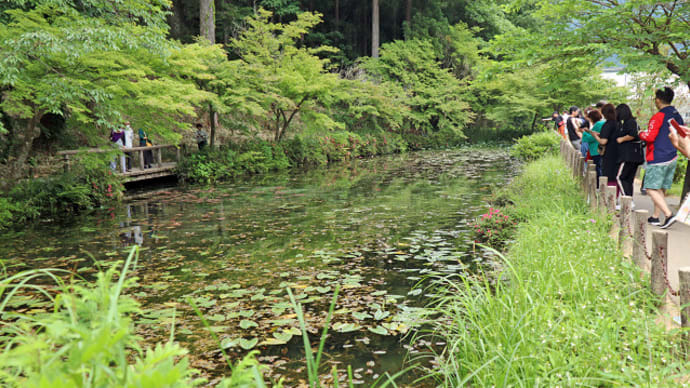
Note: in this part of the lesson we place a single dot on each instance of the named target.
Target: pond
(372, 228)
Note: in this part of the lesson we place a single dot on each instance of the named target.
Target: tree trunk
(375, 30)
(207, 20)
(175, 20)
(212, 118)
(534, 121)
(20, 149)
(337, 12)
(408, 13)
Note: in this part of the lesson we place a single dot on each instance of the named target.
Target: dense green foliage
(565, 310)
(81, 62)
(433, 94)
(259, 156)
(535, 146)
(89, 184)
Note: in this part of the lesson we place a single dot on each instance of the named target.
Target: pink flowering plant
(493, 228)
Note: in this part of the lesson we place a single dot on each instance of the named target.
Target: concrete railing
(630, 229)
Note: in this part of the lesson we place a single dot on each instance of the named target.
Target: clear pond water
(372, 228)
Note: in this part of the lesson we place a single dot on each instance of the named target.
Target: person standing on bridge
(129, 143)
(661, 155)
(145, 142)
(118, 138)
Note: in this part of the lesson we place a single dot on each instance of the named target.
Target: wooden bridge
(138, 171)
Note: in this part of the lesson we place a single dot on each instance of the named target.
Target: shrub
(305, 151)
(7, 211)
(536, 145)
(494, 229)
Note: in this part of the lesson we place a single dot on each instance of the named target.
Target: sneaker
(668, 221)
(653, 221)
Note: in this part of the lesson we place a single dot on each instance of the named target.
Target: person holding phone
(681, 143)
(661, 156)
(607, 138)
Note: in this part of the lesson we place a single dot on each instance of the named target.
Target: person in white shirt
(129, 138)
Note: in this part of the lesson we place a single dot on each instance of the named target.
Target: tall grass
(566, 310)
(86, 339)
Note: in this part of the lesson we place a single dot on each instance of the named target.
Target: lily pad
(284, 336)
(379, 315)
(246, 324)
(247, 344)
(345, 327)
(229, 343)
(361, 315)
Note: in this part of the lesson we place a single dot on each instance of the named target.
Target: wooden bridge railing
(156, 164)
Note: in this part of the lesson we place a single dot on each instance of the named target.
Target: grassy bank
(567, 309)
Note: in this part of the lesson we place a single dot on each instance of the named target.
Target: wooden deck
(137, 174)
(158, 169)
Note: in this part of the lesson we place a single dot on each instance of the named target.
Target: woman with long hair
(607, 138)
(596, 122)
(629, 149)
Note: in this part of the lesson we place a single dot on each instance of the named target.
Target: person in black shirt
(607, 138)
(629, 149)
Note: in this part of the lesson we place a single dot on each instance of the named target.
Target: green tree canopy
(94, 64)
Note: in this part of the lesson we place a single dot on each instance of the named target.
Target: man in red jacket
(661, 155)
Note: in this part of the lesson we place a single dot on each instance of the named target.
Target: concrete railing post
(611, 199)
(639, 249)
(601, 195)
(611, 209)
(659, 262)
(625, 234)
(581, 168)
(592, 188)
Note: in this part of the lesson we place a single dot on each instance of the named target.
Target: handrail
(102, 150)
(148, 157)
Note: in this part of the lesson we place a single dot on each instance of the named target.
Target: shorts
(659, 176)
(576, 144)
